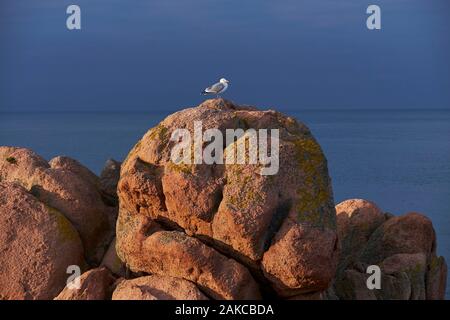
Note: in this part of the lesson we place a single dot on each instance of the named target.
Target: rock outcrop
(281, 227)
(64, 185)
(404, 247)
(197, 231)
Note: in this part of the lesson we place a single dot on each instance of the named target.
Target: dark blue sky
(159, 54)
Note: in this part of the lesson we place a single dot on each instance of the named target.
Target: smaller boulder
(410, 233)
(356, 220)
(414, 266)
(301, 260)
(72, 165)
(95, 284)
(155, 287)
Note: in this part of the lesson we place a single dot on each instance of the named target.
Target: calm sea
(398, 159)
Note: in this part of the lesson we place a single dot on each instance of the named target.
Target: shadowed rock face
(109, 178)
(112, 261)
(404, 248)
(280, 226)
(356, 219)
(67, 186)
(37, 244)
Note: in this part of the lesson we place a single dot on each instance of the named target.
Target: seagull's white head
(224, 81)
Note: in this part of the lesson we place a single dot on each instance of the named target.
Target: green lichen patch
(314, 195)
(167, 237)
(160, 133)
(65, 229)
(184, 168)
(244, 194)
(435, 263)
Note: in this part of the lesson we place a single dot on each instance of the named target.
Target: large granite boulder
(37, 245)
(282, 226)
(67, 186)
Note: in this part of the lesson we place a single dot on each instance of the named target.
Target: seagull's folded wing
(215, 88)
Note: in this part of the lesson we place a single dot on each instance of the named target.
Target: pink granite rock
(95, 284)
(37, 245)
(156, 287)
(68, 187)
(232, 207)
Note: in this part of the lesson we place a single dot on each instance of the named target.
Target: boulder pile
(52, 216)
(150, 228)
(404, 247)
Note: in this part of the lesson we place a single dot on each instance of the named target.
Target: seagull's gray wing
(215, 88)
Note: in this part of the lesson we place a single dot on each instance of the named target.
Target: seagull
(217, 88)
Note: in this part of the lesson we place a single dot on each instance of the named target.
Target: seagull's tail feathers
(204, 93)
